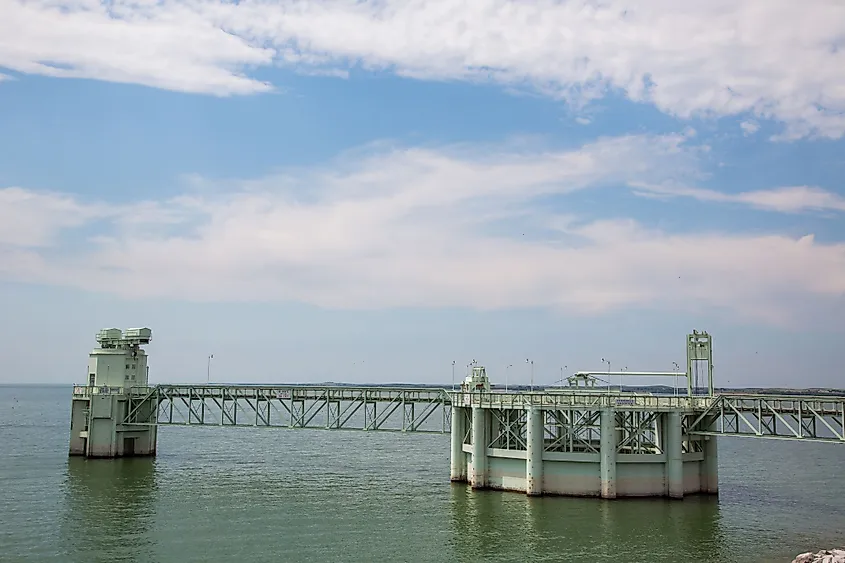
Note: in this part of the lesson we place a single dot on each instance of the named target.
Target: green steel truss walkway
(426, 409)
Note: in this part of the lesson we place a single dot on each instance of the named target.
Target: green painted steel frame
(570, 420)
(786, 417)
(287, 406)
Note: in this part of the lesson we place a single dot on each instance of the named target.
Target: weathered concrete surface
(823, 556)
(534, 453)
(96, 428)
(459, 458)
(478, 462)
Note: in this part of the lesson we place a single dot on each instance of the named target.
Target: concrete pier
(602, 451)
(674, 459)
(710, 466)
(98, 429)
(102, 411)
(534, 453)
(479, 448)
(458, 461)
(582, 440)
(607, 452)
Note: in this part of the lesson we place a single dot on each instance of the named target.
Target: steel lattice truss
(571, 420)
(572, 431)
(508, 429)
(641, 433)
(337, 408)
(576, 431)
(771, 416)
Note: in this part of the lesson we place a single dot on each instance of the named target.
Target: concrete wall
(108, 367)
(78, 419)
(572, 478)
(105, 435)
(114, 367)
(506, 474)
(582, 477)
(642, 479)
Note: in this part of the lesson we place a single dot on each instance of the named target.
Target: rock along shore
(823, 556)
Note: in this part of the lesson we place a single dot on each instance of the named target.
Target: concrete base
(96, 430)
(605, 473)
(579, 475)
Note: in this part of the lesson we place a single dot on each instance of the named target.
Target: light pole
(608, 371)
(208, 369)
(453, 375)
(675, 382)
(531, 363)
(506, 376)
(562, 368)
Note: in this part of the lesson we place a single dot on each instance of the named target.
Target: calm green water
(217, 494)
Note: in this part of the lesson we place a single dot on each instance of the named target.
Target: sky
(369, 191)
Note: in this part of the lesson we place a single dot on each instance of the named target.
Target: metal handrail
(578, 400)
(87, 390)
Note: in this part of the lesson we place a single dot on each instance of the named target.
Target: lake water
(265, 494)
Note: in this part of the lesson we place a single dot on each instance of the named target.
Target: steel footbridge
(428, 409)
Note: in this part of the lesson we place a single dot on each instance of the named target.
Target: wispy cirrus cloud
(775, 59)
(455, 226)
(788, 199)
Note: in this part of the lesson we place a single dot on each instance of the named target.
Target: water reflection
(511, 526)
(109, 507)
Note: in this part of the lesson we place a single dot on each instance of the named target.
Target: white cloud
(777, 59)
(790, 199)
(172, 45)
(461, 226)
(31, 219)
(749, 127)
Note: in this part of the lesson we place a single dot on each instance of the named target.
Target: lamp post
(453, 375)
(562, 376)
(531, 363)
(608, 371)
(208, 369)
(506, 376)
(675, 378)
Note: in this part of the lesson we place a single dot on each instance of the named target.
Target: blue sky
(369, 191)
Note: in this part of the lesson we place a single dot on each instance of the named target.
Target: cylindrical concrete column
(479, 448)
(534, 453)
(710, 465)
(608, 453)
(674, 459)
(459, 458)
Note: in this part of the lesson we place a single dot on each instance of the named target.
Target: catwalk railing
(304, 406)
(788, 417)
(409, 409)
